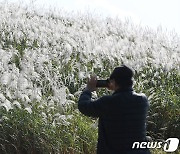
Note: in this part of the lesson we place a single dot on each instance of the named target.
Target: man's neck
(123, 89)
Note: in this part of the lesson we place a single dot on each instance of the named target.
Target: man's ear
(114, 85)
(111, 85)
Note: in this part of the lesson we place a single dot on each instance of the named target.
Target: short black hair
(123, 76)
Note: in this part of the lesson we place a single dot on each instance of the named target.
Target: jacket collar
(123, 90)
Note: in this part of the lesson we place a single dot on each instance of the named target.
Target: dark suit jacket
(122, 120)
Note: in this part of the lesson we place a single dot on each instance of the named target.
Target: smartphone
(102, 83)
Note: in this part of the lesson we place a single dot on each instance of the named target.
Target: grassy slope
(45, 60)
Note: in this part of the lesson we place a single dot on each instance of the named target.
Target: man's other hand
(91, 83)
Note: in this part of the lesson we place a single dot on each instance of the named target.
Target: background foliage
(45, 59)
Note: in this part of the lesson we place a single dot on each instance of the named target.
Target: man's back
(122, 118)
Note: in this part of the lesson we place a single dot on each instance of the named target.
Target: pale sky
(151, 13)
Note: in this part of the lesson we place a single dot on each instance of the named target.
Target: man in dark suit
(122, 115)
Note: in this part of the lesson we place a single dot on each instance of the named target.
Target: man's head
(121, 77)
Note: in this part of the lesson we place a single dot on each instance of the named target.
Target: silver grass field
(45, 59)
